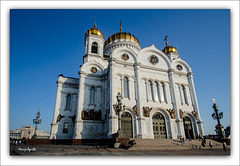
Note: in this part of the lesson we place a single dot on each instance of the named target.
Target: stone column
(146, 85)
(195, 103)
(140, 118)
(103, 95)
(113, 120)
(178, 119)
(79, 122)
(54, 125)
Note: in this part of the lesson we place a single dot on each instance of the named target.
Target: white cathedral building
(157, 87)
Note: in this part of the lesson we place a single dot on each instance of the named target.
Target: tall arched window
(68, 103)
(92, 95)
(157, 92)
(181, 94)
(65, 127)
(150, 90)
(94, 48)
(164, 92)
(126, 87)
(184, 94)
(162, 89)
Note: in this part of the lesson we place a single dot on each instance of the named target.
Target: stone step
(171, 144)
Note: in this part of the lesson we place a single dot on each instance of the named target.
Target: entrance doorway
(159, 127)
(188, 127)
(126, 125)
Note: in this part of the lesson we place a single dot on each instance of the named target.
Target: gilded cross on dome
(121, 26)
(95, 25)
(213, 100)
(166, 40)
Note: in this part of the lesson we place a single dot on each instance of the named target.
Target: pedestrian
(224, 146)
(20, 142)
(199, 137)
(16, 142)
(203, 144)
(189, 138)
(183, 140)
(210, 144)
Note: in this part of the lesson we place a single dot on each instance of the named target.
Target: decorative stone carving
(195, 114)
(125, 57)
(172, 113)
(73, 118)
(93, 69)
(153, 59)
(115, 108)
(181, 113)
(91, 115)
(59, 117)
(135, 110)
(146, 111)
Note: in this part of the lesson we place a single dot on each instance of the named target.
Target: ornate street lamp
(36, 121)
(119, 108)
(218, 116)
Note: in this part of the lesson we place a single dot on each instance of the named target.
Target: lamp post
(119, 109)
(217, 116)
(36, 121)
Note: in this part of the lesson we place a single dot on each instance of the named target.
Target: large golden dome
(122, 35)
(94, 31)
(168, 49)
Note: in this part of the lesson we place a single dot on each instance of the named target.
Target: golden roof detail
(168, 48)
(94, 31)
(122, 35)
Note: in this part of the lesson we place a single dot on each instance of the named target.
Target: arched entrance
(159, 126)
(188, 127)
(126, 125)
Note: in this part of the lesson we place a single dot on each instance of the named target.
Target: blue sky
(46, 43)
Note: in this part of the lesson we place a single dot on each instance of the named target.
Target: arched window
(181, 94)
(92, 95)
(157, 92)
(94, 48)
(150, 90)
(184, 94)
(65, 127)
(68, 103)
(126, 87)
(162, 92)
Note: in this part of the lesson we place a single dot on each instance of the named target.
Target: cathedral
(155, 85)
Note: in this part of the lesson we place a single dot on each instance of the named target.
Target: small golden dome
(168, 49)
(121, 35)
(94, 31)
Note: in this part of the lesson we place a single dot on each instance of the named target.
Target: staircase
(171, 144)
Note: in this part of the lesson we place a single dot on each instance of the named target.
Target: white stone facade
(84, 107)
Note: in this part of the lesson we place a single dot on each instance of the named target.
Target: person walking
(189, 138)
(224, 146)
(210, 144)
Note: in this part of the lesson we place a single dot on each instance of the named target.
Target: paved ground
(146, 147)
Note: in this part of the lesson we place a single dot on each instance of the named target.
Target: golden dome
(94, 31)
(168, 49)
(121, 35)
